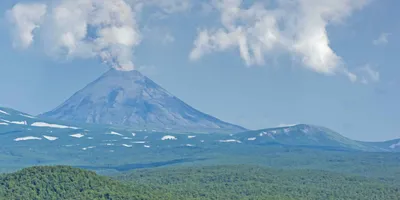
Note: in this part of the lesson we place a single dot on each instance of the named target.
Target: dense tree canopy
(63, 182)
(175, 183)
(253, 182)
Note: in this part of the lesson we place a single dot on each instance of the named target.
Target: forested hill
(63, 182)
(189, 183)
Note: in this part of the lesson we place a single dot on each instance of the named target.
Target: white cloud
(369, 74)
(26, 18)
(382, 40)
(353, 78)
(107, 29)
(297, 27)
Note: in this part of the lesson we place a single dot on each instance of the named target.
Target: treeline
(189, 183)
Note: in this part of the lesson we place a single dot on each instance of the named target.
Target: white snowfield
(4, 112)
(169, 137)
(230, 141)
(127, 145)
(127, 138)
(146, 146)
(191, 136)
(14, 122)
(27, 138)
(114, 133)
(3, 123)
(44, 124)
(51, 138)
(251, 139)
(78, 135)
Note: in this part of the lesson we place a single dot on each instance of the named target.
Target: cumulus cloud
(27, 18)
(107, 29)
(382, 39)
(297, 27)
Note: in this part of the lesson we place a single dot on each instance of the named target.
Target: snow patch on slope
(138, 142)
(4, 112)
(169, 137)
(230, 141)
(86, 148)
(27, 138)
(393, 146)
(14, 122)
(51, 138)
(114, 133)
(44, 124)
(28, 116)
(78, 135)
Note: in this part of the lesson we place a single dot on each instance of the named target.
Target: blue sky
(290, 84)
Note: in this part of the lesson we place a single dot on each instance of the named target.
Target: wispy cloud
(296, 27)
(382, 39)
(168, 38)
(107, 29)
(368, 74)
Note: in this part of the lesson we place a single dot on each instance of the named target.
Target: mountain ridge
(26, 140)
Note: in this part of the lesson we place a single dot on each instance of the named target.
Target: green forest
(201, 182)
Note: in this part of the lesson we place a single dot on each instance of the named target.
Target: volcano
(128, 98)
